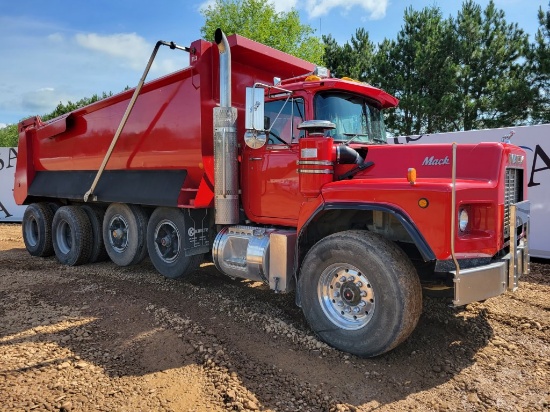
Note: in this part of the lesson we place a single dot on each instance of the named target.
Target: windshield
(356, 118)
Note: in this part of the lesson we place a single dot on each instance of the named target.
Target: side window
(282, 118)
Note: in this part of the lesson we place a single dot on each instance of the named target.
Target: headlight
(463, 220)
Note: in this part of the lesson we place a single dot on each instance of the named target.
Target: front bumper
(483, 282)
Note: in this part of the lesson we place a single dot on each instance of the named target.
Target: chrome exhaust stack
(226, 186)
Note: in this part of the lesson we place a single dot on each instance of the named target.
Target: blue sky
(58, 50)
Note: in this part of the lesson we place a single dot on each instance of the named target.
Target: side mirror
(254, 118)
(254, 121)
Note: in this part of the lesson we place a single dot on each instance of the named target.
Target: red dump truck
(281, 174)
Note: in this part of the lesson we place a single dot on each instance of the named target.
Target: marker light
(411, 175)
(312, 78)
(423, 203)
(463, 220)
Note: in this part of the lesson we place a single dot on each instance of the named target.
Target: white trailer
(9, 211)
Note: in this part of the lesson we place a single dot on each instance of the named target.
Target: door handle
(255, 158)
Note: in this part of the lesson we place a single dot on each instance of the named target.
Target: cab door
(270, 179)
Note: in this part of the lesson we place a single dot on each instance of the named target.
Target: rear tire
(37, 229)
(165, 242)
(72, 235)
(96, 215)
(124, 233)
(360, 293)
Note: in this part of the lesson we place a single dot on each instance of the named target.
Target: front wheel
(360, 293)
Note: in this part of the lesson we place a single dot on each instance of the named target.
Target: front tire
(165, 242)
(124, 233)
(360, 293)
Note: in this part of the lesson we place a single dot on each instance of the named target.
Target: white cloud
(129, 50)
(284, 5)
(2, 125)
(56, 38)
(75, 66)
(130, 47)
(42, 100)
(376, 9)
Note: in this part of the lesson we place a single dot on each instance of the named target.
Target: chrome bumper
(483, 282)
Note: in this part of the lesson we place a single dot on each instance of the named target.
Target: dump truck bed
(165, 152)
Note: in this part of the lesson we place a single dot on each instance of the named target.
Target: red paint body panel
(269, 184)
(315, 165)
(480, 173)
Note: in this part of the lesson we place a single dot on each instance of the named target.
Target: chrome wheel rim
(118, 233)
(63, 237)
(167, 241)
(31, 231)
(346, 296)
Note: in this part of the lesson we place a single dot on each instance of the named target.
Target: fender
(423, 246)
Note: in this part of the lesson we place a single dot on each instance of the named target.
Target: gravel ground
(103, 338)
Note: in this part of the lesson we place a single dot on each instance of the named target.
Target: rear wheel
(124, 233)
(96, 214)
(165, 242)
(71, 235)
(360, 293)
(37, 229)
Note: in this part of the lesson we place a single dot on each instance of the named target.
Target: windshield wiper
(354, 136)
(355, 170)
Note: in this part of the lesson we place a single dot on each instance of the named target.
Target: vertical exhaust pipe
(225, 68)
(226, 189)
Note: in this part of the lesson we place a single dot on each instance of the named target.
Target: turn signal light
(312, 78)
(411, 175)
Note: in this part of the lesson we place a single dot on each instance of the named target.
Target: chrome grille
(512, 194)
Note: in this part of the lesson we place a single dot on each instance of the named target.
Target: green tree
(61, 108)
(493, 85)
(332, 55)
(258, 20)
(418, 68)
(539, 63)
(352, 60)
(8, 136)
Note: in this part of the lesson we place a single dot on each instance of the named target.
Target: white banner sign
(9, 211)
(535, 140)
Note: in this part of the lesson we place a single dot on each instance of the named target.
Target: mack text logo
(433, 161)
